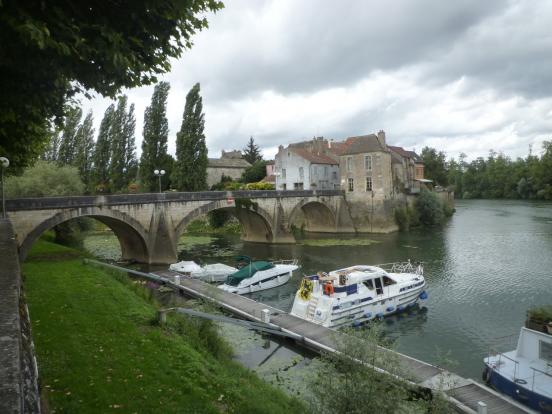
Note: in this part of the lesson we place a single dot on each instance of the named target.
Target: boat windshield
(247, 271)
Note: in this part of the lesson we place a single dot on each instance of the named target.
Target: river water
(484, 268)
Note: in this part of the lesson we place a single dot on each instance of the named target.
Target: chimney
(381, 138)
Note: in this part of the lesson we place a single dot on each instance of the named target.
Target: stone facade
(230, 164)
(408, 169)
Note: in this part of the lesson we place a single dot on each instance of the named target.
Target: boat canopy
(247, 271)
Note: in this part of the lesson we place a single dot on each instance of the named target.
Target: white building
(297, 168)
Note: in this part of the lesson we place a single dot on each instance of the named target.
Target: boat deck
(465, 393)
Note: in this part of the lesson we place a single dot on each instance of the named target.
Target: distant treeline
(496, 176)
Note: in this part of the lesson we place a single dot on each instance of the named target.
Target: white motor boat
(209, 273)
(525, 374)
(259, 275)
(356, 294)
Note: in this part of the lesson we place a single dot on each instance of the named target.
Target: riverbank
(99, 347)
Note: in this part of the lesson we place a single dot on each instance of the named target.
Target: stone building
(408, 170)
(230, 164)
(306, 166)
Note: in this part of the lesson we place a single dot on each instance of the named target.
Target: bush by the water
(428, 210)
(45, 179)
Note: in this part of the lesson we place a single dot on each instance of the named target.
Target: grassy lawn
(100, 350)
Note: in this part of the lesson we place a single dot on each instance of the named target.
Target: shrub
(261, 185)
(45, 179)
(402, 218)
(429, 208)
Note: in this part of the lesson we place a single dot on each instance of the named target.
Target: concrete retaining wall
(18, 372)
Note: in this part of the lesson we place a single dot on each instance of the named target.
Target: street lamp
(159, 174)
(4, 163)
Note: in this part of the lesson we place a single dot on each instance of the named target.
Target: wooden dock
(464, 393)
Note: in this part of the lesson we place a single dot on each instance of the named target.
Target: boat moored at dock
(216, 272)
(259, 275)
(356, 294)
(525, 374)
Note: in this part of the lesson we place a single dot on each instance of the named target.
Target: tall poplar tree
(67, 154)
(117, 167)
(84, 148)
(155, 132)
(101, 157)
(190, 170)
(131, 163)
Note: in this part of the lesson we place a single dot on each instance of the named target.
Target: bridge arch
(318, 216)
(255, 221)
(130, 233)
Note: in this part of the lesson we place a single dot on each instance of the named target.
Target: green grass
(100, 350)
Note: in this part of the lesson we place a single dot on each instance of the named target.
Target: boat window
(369, 284)
(545, 351)
(387, 281)
(379, 288)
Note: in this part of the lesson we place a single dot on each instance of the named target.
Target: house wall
(325, 176)
(290, 162)
(214, 174)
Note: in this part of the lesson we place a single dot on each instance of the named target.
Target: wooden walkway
(464, 393)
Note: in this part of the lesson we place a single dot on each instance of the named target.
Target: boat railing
(499, 364)
(286, 262)
(403, 267)
(535, 370)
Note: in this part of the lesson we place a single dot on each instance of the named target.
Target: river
(484, 268)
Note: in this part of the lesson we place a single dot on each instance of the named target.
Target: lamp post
(4, 163)
(159, 174)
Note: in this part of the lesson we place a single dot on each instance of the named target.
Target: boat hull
(517, 391)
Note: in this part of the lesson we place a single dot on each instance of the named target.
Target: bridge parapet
(41, 203)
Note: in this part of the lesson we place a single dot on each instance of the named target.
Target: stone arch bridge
(148, 226)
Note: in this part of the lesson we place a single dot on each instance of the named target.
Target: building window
(283, 173)
(325, 171)
(351, 184)
(349, 164)
(334, 175)
(315, 171)
(301, 173)
(368, 162)
(368, 183)
(297, 186)
(284, 186)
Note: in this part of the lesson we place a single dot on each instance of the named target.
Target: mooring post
(481, 408)
(177, 279)
(162, 316)
(265, 315)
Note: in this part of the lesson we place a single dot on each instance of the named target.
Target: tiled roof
(314, 158)
(361, 144)
(228, 163)
(406, 154)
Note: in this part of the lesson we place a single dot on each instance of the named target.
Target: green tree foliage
(252, 153)
(498, 176)
(52, 150)
(429, 208)
(45, 179)
(84, 148)
(102, 152)
(190, 173)
(119, 135)
(254, 173)
(435, 166)
(67, 153)
(50, 51)
(155, 132)
(131, 163)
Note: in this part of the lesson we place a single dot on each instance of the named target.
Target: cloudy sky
(465, 76)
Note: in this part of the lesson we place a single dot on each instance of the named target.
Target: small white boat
(356, 294)
(259, 275)
(525, 374)
(209, 273)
